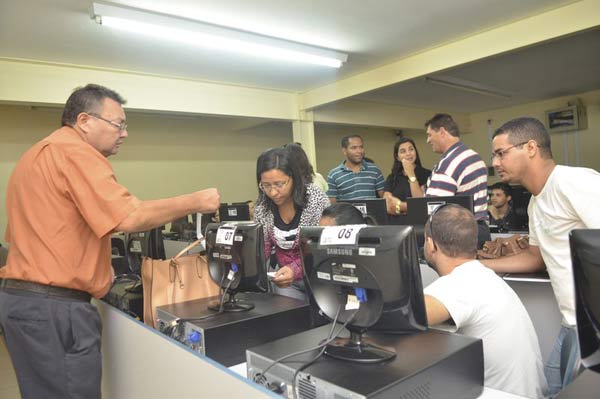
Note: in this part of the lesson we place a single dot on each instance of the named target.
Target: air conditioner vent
(306, 389)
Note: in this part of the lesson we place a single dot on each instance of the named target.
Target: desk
(535, 291)
(140, 362)
(585, 386)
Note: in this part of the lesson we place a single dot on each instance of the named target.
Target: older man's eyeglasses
(121, 126)
(500, 154)
(267, 187)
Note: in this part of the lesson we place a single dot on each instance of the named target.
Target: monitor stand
(357, 349)
(232, 304)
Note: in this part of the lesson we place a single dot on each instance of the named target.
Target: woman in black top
(408, 179)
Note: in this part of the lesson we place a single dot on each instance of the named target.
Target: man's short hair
(87, 99)
(346, 139)
(523, 129)
(502, 186)
(344, 213)
(453, 229)
(445, 121)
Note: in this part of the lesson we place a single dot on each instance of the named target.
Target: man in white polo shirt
(481, 305)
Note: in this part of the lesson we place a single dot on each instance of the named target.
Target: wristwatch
(412, 179)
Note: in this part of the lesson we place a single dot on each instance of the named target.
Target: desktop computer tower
(127, 296)
(224, 337)
(428, 365)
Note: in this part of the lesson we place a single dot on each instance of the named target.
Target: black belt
(46, 290)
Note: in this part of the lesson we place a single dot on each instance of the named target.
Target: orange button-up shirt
(63, 202)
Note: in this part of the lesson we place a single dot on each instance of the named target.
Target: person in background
(311, 176)
(408, 178)
(461, 171)
(354, 178)
(560, 202)
(341, 214)
(501, 213)
(63, 203)
(369, 160)
(286, 202)
(3, 255)
(481, 305)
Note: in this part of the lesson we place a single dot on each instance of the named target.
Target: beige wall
(589, 139)
(163, 155)
(379, 145)
(476, 134)
(167, 155)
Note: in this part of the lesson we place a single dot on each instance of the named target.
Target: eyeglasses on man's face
(501, 153)
(121, 126)
(278, 185)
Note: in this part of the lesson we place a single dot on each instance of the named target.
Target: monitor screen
(375, 208)
(585, 254)
(182, 229)
(419, 208)
(234, 212)
(236, 261)
(520, 201)
(144, 243)
(375, 277)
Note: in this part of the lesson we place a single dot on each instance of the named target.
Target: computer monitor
(239, 211)
(182, 229)
(118, 252)
(520, 201)
(585, 255)
(419, 208)
(376, 279)
(375, 208)
(236, 262)
(144, 243)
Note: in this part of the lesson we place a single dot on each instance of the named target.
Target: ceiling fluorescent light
(469, 88)
(203, 34)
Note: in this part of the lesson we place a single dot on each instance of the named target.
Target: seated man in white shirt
(481, 305)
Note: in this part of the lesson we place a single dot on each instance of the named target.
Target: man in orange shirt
(63, 202)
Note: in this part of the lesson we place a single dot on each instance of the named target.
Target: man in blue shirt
(354, 178)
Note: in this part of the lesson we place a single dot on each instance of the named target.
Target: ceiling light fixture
(203, 34)
(473, 87)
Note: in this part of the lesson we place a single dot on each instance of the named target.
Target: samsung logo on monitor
(339, 251)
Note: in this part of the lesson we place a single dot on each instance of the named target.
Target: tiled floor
(8, 382)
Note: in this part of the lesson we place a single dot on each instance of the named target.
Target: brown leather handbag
(505, 246)
(179, 279)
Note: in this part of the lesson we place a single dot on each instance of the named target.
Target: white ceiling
(372, 32)
(559, 68)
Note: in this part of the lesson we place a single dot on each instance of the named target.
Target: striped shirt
(461, 171)
(344, 184)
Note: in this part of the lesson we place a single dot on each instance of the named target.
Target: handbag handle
(186, 249)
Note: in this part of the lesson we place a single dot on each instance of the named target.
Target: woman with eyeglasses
(408, 178)
(287, 200)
